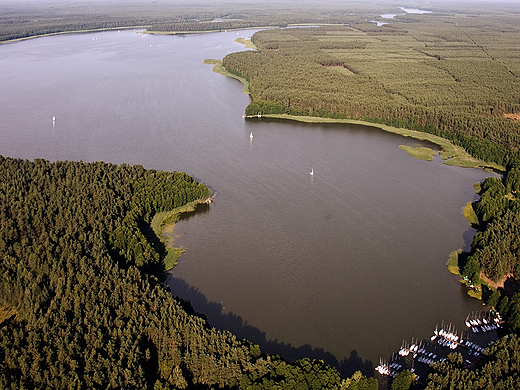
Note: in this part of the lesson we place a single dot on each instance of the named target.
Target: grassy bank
(218, 68)
(247, 43)
(164, 222)
(420, 153)
(453, 262)
(454, 155)
(470, 215)
(453, 267)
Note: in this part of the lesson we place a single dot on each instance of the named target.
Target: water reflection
(201, 209)
(215, 314)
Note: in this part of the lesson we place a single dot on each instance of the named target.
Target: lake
(341, 266)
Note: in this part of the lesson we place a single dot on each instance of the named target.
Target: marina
(484, 328)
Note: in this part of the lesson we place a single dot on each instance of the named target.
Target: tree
(403, 381)
(472, 270)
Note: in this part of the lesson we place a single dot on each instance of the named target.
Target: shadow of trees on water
(212, 312)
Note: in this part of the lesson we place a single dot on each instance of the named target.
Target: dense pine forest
(82, 303)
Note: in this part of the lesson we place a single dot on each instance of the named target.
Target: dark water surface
(341, 266)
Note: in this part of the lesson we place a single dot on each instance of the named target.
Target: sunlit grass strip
(453, 267)
(475, 294)
(164, 222)
(470, 215)
(453, 262)
(247, 43)
(420, 153)
(218, 68)
(455, 155)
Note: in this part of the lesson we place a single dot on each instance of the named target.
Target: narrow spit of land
(218, 68)
(164, 222)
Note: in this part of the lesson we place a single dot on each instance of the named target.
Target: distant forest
(28, 19)
(81, 299)
(24, 19)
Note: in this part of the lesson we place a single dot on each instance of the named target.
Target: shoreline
(208, 31)
(164, 222)
(247, 43)
(218, 68)
(453, 265)
(94, 30)
(452, 154)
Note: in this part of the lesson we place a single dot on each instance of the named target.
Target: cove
(342, 266)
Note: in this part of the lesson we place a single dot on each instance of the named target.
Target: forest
(32, 18)
(29, 18)
(82, 302)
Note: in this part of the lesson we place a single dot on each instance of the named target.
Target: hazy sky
(397, 3)
(431, 4)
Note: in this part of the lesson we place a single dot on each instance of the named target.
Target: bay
(340, 266)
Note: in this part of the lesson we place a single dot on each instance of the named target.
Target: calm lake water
(341, 266)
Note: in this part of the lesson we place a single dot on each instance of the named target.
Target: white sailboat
(312, 172)
(251, 135)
